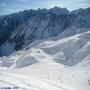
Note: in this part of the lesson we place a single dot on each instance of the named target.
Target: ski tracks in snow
(27, 83)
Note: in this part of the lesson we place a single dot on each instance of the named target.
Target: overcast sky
(10, 6)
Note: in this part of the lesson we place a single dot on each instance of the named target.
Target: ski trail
(27, 83)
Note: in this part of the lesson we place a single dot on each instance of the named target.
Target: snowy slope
(50, 64)
(22, 82)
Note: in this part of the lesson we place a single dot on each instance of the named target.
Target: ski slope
(23, 82)
(49, 64)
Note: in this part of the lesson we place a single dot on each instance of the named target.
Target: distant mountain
(20, 29)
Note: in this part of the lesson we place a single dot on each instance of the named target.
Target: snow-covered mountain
(20, 29)
(45, 49)
(58, 64)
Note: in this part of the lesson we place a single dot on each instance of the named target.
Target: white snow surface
(23, 82)
(57, 65)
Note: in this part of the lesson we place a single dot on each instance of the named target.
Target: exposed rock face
(20, 29)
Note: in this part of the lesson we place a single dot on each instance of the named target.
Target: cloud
(84, 5)
(23, 0)
(56, 3)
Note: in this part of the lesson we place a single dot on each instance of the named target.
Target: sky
(11, 6)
